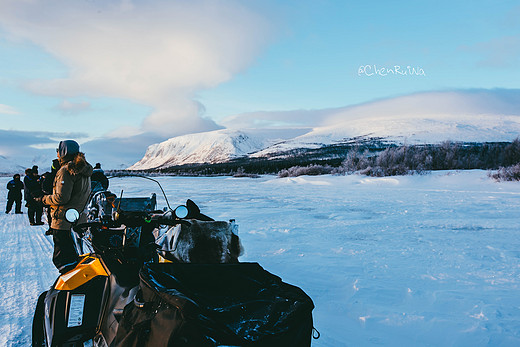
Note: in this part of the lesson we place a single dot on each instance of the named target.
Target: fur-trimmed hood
(71, 189)
(78, 166)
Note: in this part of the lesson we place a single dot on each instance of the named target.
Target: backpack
(185, 304)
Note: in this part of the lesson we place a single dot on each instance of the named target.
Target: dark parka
(15, 189)
(31, 188)
(99, 180)
(71, 190)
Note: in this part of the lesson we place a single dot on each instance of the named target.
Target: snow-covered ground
(429, 260)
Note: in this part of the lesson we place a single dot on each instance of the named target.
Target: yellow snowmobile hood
(88, 268)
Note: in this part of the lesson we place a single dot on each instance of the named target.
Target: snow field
(429, 260)
(26, 270)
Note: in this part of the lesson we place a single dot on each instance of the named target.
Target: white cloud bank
(471, 102)
(158, 53)
(68, 107)
(6, 109)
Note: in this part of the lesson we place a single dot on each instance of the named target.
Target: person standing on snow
(32, 193)
(47, 183)
(14, 195)
(71, 190)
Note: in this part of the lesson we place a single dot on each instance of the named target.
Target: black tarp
(216, 304)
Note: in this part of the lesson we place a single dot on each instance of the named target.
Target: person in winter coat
(47, 183)
(71, 190)
(14, 194)
(47, 178)
(32, 193)
(98, 180)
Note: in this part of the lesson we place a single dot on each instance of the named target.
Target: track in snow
(26, 269)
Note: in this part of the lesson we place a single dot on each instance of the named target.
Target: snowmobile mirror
(72, 215)
(181, 211)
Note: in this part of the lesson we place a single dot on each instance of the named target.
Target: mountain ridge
(224, 145)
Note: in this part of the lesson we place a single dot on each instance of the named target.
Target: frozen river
(429, 260)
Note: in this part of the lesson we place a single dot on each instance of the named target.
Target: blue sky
(314, 61)
(103, 70)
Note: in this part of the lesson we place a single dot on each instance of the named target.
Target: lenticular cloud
(158, 53)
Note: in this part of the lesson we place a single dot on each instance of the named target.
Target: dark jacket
(99, 180)
(15, 189)
(31, 188)
(71, 190)
(47, 181)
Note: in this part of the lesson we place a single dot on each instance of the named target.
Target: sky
(118, 76)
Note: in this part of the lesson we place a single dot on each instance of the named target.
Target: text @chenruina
(396, 70)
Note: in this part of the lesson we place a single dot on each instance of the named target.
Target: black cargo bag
(215, 305)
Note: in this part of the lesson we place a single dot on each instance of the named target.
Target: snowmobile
(168, 277)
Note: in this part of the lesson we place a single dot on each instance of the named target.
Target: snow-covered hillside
(9, 166)
(223, 145)
(409, 130)
(212, 147)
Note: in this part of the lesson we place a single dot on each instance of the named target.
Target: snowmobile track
(26, 270)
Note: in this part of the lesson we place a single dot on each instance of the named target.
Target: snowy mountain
(407, 129)
(213, 147)
(8, 166)
(223, 145)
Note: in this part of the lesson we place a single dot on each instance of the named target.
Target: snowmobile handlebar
(134, 219)
(153, 221)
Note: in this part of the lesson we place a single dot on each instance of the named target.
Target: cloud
(433, 104)
(119, 152)
(158, 53)
(68, 107)
(21, 149)
(14, 141)
(424, 104)
(6, 109)
(439, 103)
(267, 119)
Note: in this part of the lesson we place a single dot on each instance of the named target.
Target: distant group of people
(67, 185)
(34, 187)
